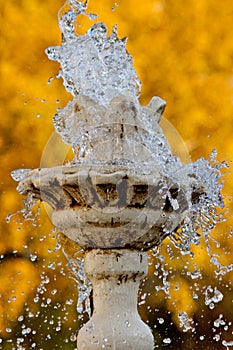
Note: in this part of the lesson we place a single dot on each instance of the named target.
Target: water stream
(96, 68)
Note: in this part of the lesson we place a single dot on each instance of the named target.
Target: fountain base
(115, 323)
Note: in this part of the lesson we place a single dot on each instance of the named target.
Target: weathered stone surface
(105, 131)
(108, 206)
(124, 189)
(115, 323)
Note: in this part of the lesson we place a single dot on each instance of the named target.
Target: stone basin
(109, 206)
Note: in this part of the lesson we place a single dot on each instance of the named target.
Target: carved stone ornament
(117, 194)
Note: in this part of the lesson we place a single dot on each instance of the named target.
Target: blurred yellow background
(183, 52)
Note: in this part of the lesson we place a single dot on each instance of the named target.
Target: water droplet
(227, 343)
(26, 331)
(8, 218)
(167, 341)
(50, 80)
(127, 323)
(196, 274)
(218, 296)
(46, 280)
(36, 299)
(73, 337)
(216, 337)
(219, 321)
(211, 306)
(160, 320)
(33, 257)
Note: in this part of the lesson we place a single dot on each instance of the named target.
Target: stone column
(115, 323)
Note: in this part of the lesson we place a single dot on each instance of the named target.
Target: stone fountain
(124, 192)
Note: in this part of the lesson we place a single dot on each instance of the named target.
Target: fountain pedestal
(124, 192)
(115, 323)
(115, 213)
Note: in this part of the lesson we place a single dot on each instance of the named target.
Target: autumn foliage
(183, 52)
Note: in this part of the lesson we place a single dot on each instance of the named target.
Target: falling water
(95, 69)
(99, 67)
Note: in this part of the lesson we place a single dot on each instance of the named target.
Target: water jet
(124, 192)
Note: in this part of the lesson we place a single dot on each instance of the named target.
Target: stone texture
(109, 206)
(115, 323)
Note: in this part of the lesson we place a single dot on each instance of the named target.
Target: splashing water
(93, 65)
(28, 212)
(186, 322)
(97, 68)
(76, 266)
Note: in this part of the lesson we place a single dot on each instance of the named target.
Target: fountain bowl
(109, 206)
